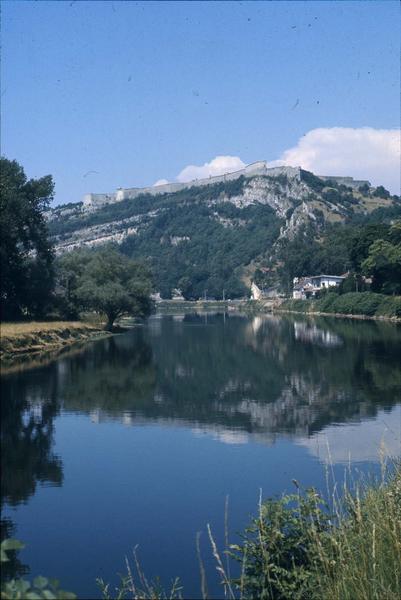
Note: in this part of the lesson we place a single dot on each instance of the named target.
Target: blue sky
(108, 94)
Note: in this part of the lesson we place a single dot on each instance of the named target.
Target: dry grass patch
(26, 338)
(12, 330)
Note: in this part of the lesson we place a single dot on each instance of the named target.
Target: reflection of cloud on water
(358, 442)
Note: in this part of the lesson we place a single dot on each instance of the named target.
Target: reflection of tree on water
(229, 377)
(113, 376)
(236, 374)
(260, 376)
(27, 413)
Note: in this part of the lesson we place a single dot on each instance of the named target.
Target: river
(142, 439)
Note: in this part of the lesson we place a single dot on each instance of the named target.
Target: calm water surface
(138, 439)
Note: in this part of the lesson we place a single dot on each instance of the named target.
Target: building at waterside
(309, 287)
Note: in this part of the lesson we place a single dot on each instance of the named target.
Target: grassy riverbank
(362, 304)
(33, 337)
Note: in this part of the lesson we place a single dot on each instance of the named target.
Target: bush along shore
(353, 304)
(298, 547)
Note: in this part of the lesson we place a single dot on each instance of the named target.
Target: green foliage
(7, 545)
(107, 282)
(360, 240)
(26, 253)
(210, 260)
(304, 255)
(21, 589)
(381, 192)
(345, 248)
(294, 550)
(354, 303)
(383, 214)
(383, 263)
(279, 553)
(313, 182)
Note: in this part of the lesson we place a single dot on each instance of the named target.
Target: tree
(361, 241)
(107, 282)
(384, 265)
(26, 252)
(69, 269)
(381, 192)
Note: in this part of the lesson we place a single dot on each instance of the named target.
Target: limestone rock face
(296, 197)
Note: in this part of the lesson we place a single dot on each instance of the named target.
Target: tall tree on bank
(26, 252)
(107, 282)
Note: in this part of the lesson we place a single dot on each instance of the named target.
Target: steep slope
(201, 238)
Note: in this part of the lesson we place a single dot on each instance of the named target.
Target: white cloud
(363, 153)
(218, 166)
(160, 182)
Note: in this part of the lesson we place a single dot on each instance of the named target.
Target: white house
(307, 287)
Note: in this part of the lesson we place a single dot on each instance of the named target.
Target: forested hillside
(213, 240)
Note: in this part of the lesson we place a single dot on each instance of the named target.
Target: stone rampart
(349, 181)
(94, 201)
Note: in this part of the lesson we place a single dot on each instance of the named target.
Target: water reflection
(233, 377)
(230, 377)
(28, 409)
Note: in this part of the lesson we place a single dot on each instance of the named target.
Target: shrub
(293, 549)
(354, 303)
(279, 551)
(390, 306)
(21, 589)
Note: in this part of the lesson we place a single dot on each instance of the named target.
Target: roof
(332, 276)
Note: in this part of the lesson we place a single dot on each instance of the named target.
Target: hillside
(212, 237)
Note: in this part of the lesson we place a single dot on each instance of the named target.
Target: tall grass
(299, 547)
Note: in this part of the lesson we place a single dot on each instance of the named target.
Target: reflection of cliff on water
(224, 374)
(257, 375)
(230, 376)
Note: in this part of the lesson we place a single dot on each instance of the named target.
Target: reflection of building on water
(95, 415)
(256, 324)
(310, 333)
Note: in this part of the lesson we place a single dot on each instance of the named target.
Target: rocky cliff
(294, 197)
(238, 215)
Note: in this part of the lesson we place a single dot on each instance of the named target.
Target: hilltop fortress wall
(95, 201)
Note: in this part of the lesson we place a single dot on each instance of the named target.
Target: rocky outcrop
(293, 195)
